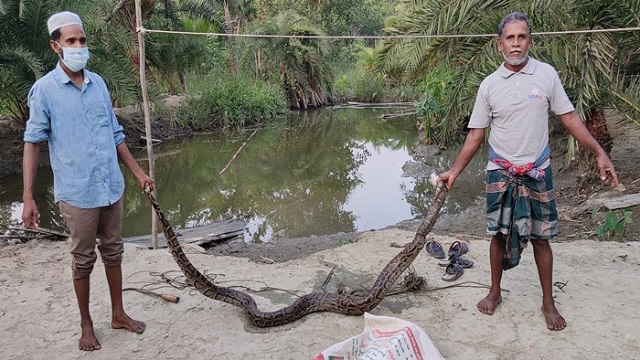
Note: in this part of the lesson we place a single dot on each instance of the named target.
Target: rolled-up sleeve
(118, 131)
(39, 125)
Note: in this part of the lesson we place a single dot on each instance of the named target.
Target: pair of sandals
(455, 264)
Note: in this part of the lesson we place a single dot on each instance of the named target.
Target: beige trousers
(89, 227)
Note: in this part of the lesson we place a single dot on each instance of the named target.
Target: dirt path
(39, 319)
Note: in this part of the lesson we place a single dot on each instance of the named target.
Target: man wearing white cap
(70, 108)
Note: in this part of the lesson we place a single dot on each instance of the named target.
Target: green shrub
(223, 102)
(610, 224)
(432, 105)
(341, 89)
(368, 87)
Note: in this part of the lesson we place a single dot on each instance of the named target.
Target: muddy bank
(131, 119)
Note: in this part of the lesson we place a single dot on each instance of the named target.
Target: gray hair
(514, 16)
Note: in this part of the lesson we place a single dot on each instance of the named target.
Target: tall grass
(221, 102)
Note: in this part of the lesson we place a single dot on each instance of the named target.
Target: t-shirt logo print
(534, 95)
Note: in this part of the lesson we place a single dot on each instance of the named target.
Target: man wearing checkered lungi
(514, 102)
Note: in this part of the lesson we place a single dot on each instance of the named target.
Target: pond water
(318, 172)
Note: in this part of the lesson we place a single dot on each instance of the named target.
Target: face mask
(75, 58)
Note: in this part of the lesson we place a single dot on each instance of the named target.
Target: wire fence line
(382, 37)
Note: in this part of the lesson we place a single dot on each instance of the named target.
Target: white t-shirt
(516, 107)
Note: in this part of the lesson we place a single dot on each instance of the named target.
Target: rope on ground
(469, 284)
(180, 282)
(560, 285)
(328, 279)
(411, 283)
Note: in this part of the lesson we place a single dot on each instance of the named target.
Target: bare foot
(125, 322)
(555, 321)
(489, 304)
(88, 340)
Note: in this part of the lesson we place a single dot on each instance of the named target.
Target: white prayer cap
(56, 21)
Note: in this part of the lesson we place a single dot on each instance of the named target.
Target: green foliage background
(599, 70)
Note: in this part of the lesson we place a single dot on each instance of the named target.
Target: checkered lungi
(521, 208)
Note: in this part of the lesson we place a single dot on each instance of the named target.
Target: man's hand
(30, 214)
(579, 131)
(607, 172)
(474, 139)
(145, 180)
(448, 178)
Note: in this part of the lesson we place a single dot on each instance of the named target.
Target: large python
(315, 302)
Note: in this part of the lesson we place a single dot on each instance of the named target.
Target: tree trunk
(597, 125)
(229, 30)
(183, 83)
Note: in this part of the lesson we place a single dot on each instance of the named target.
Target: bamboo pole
(147, 120)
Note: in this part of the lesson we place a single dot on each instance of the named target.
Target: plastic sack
(384, 338)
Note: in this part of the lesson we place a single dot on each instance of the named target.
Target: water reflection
(380, 198)
(319, 172)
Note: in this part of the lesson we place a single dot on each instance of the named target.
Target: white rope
(386, 37)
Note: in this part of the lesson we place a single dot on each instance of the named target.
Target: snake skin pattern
(310, 303)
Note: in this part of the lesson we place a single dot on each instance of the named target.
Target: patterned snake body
(310, 303)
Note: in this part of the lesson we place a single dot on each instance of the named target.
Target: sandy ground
(39, 317)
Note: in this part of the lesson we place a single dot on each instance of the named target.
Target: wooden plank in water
(200, 235)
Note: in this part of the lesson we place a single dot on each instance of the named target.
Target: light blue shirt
(83, 132)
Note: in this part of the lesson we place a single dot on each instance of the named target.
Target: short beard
(516, 62)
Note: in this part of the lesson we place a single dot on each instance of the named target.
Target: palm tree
(467, 60)
(299, 63)
(25, 54)
(229, 16)
(172, 56)
(169, 57)
(597, 69)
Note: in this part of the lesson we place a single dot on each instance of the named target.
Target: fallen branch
(393, 116)
(237, 152)
(155, 141)
(357, 105)
(404, 103)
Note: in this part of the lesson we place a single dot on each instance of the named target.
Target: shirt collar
(64, 78)
(528, 69)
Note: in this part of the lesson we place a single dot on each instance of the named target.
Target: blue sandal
(455, 259)
(434, 249)
(458, 248)
(452, 272)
